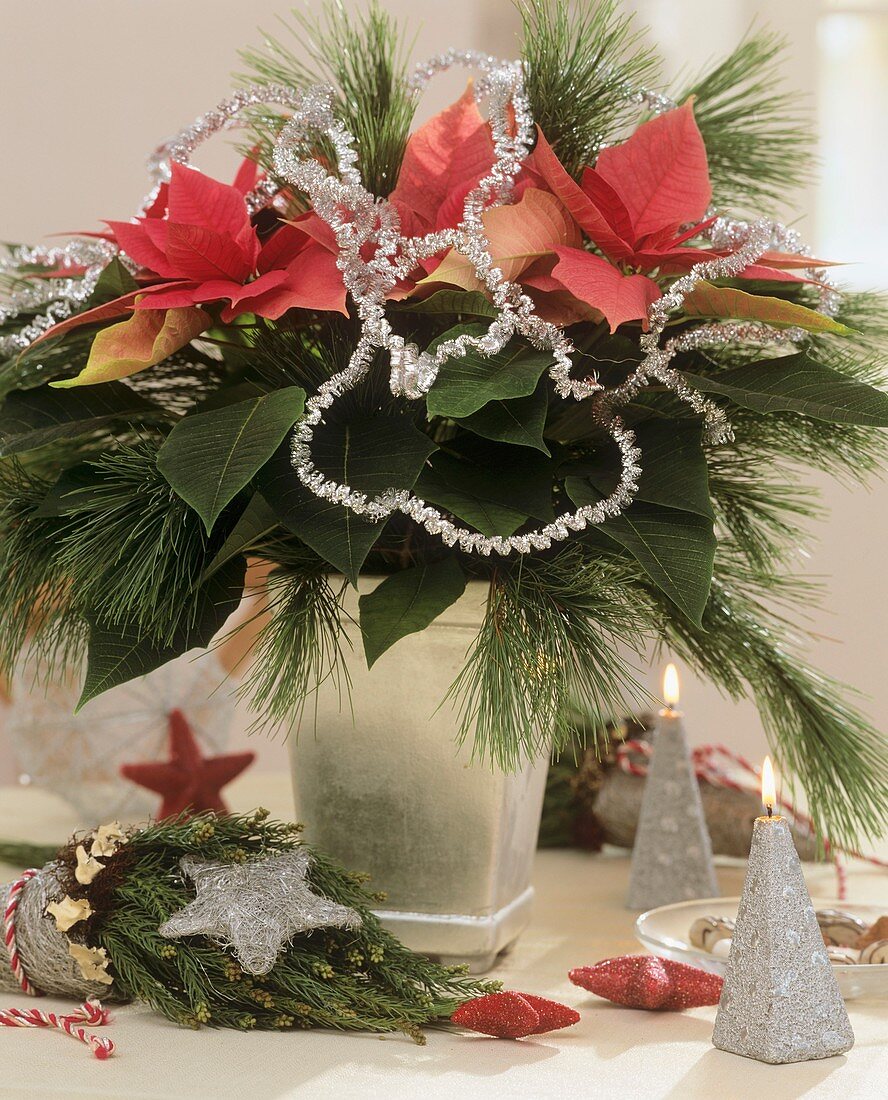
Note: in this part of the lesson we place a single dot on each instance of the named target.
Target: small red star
(188, 780)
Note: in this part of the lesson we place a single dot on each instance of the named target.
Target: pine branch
(759, 502)
(758, 140)
(132, 550)
(839, 759)
(363, 56)
(863, 354)
(41, 612)
(583, 62)
(300, 647)
(549, 639)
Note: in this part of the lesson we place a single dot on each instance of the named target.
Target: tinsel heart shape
(364, 225)
(647, 981)
(511, 1015)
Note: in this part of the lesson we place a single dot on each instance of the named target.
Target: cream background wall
(89, 86)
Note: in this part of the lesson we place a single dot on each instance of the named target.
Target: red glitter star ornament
(511, 1015)
(188, 780)
(647, 981)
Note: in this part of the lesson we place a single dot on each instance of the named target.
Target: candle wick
(770, 810)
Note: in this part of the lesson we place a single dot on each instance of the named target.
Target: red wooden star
(188, 780)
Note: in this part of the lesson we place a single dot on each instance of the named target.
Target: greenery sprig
(357, 979)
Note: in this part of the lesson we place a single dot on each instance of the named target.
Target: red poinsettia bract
(443, 161)
(208, 250)
(640, 205)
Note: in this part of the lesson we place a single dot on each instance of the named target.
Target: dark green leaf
(71, 491)
(520, 421)
(466, 384)
(33, 418)
(407, 602)
(676, 549)
(674, 472)
(118, 653)
(338, 535)
(113, 282)
(449, 302)
(257, 520)
(370, 454)
(493, 487)
(795, 383)
(209, 457)
(233, 394)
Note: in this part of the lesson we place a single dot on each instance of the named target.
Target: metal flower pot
(386, 790)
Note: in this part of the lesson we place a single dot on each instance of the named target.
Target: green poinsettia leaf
(73, 489)
(676, 549)
(726, 302)
(406, 603)
(118, 653)
(257, 520)
(113, 282)
(796, 383)
(33, 418)
(466, 384)
(209, 457)
(371, 453)
(520, 421)
(471, 303)
(674, 471)
(493, 487)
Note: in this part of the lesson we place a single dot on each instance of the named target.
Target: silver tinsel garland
(358, 219)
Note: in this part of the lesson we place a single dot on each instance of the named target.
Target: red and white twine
(12, 903)
(709, 766)
(90, 1012)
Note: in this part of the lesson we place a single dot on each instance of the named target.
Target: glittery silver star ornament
(255, 909)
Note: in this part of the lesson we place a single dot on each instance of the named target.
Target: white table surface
(613, 1053)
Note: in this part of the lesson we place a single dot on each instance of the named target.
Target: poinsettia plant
(147, 416)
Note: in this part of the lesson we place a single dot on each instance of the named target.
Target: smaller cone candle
(780, 1001)
(672, 856)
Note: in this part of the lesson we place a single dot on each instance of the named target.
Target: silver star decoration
(256, 908)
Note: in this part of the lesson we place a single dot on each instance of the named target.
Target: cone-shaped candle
(780, 1001)
(672, 856)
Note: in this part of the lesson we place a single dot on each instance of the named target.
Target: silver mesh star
(254, 909)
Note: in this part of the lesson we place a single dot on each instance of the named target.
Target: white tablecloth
(612, 1054)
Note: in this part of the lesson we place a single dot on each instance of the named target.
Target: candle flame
(769, 787)
(670, 686)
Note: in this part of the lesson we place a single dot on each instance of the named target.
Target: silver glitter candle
(780, 1001)
(672, 856)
